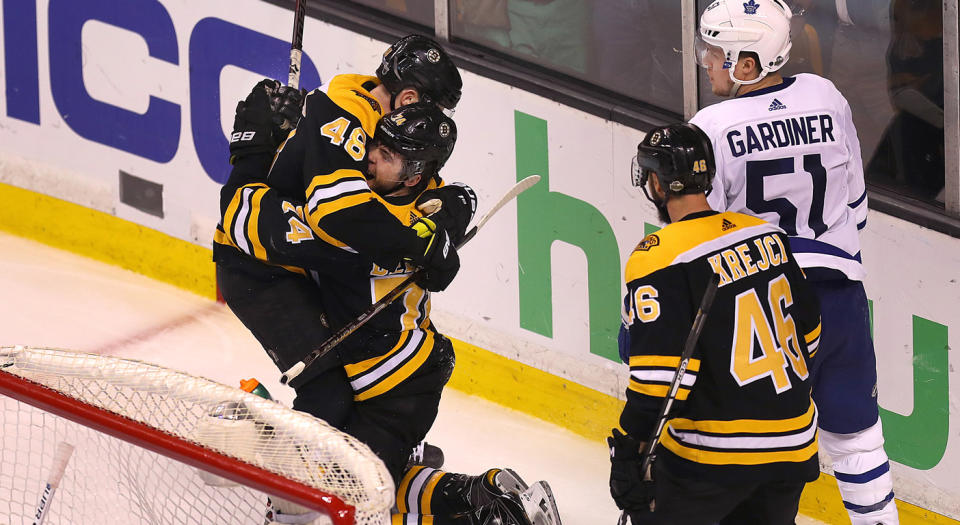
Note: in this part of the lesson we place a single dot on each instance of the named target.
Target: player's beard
(662, 212)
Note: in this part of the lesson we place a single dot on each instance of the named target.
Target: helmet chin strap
(737, 83)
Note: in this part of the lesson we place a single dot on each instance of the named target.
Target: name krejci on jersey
(781, 133)
(743, 260)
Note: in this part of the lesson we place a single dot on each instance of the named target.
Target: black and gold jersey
(323, 163)
(393, 344)
(743, 409)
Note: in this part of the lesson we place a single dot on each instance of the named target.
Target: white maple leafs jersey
(789, 154)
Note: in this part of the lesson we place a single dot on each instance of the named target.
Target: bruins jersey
(323, 162)
(391, 346)
(743, 409)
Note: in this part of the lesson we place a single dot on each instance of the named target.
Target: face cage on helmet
(640, 175)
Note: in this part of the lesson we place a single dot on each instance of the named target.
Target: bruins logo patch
(372, 101)
(648, 242)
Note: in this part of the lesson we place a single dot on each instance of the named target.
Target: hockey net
(156, 446)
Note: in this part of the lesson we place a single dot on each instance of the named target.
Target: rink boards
(112, 144)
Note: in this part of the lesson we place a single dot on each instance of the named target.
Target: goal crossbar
(172, 447)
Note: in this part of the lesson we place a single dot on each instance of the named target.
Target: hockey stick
(296, 44)
(691, 343)
(385, 301)
(59, 465)
(649, 452)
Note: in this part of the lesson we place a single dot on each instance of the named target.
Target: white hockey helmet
(735, 26)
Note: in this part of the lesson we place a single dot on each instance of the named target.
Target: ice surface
(56, 299)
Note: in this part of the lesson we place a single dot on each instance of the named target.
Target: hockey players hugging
(792, 131)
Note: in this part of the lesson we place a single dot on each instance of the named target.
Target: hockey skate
(493, 484)
(427, 455)
(535, 506)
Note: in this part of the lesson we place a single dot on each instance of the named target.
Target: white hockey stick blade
(60, 459)
(517, 189)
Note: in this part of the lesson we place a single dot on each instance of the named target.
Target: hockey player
(787, 152)
(740, 442)
(323, 163)
(396, 364)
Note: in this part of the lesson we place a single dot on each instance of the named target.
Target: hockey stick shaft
(691, 343)
(385, 301)
(296, 44)
(60, 459)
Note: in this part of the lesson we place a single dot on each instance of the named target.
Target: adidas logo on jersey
(776, 104)
(727, 225)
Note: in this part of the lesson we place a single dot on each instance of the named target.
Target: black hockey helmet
(422, 134)
(682, 157)
(416, 61)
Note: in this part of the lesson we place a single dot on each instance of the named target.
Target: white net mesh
(110, 481)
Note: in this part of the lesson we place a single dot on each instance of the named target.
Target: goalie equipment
(228, 426)
(283, 512)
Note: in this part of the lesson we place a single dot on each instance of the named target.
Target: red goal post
(169, 447)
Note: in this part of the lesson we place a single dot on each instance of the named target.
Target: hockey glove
(629, 490)
(458, 204)
(264, 118)
(440, 262)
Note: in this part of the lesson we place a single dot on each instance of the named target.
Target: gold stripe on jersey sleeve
(707, 457)
(231, 214)
(254, 229)
(670, 361)
(657, 390)
(347, 92)
(739, 426)
(221, 238)
(428, 489)
(356, 369)
(677, 238)
(402, 373)
(815, 333)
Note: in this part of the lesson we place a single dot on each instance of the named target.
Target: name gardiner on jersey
(742, 260)
(781, 133)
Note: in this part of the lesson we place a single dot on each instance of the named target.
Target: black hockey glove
(264, 118)
(440, 262)
(629, 490)
(458, 204)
